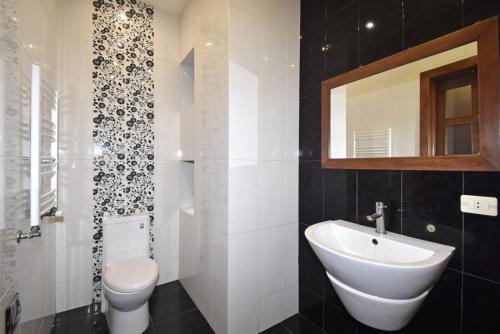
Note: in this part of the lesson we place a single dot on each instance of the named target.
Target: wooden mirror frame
(486, 34)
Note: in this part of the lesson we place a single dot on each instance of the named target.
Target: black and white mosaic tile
(123, 110)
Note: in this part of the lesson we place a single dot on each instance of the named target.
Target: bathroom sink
(389, 266)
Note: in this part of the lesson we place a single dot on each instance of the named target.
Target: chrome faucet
(378, 216)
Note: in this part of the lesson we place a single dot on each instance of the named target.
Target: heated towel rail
(43, 152)
(371, 144)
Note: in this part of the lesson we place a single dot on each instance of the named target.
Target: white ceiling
(173, 6)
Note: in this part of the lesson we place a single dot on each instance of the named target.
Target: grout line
(357, 199)
(359, 33)
(323, 302)
(402, 201)
(463, 262)
(174, 316)
(481, 278)
(340, 9)
(403, 24)
(310, 291)
(323, 194)
(462, 13)
(286, 328)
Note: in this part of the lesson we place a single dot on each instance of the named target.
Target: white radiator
(372, 144)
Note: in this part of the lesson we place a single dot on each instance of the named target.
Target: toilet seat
(131, 275)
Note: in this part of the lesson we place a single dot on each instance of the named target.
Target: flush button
(141, 226)
(431, 228)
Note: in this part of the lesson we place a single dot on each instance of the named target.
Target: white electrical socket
(479, 205)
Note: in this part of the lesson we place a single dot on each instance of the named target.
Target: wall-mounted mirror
(431, 107)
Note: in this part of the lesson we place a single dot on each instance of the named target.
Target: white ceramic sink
(382, 280)
(389, 266)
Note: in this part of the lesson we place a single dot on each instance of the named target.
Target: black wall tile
(311, 306)
(342, 40)
(434, 198)
(476, 10)
(429, 19)
(440, 312)
(310, 192)
(330, 295)
(482, 233)
(311, 271)
(310, 127)
(340, 194)
(338, 321)
(386, 15)
(380, 186)
(312, 60)
(311, 11)
(333, 6)
(481, 305)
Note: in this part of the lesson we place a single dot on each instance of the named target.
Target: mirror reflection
(428, 107)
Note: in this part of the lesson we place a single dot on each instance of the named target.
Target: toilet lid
(131, 275)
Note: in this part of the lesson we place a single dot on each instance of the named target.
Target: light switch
(479, 205)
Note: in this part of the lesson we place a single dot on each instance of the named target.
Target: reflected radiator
(372, 144)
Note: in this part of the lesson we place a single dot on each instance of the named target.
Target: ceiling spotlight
(370, 25)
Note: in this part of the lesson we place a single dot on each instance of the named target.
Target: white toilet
(129, 275)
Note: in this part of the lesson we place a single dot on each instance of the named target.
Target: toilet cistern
(378, 216)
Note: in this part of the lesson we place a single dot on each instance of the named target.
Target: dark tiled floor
(171, 310)
(296, 324)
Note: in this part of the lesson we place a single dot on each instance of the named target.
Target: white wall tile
(217, 318)
(243, 196)
(166, 228)
(167, 34)
(275, 13)
(244, 116)
(168, 269)
(37, 302)
(219, 268)
(272, 126)
(293, 62)
(292, 254)
(73, 294)
(167, 134)
(273, 59)
(244, 320)
(272, 267)
(189, 247)
(186, 184)
(166, 181)
(74, 251)
(74, 19)
(271, 198)
(75, 128)
(167, 76)
(244, 53)
(249, 6)
(166, 232)
(272, 310)
(243, 278)
(292, 128)
(190, 136)
(74, 235)
(291, 192)
(74, 68)
(291, 300)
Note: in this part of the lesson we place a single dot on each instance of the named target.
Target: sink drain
(375, 241)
